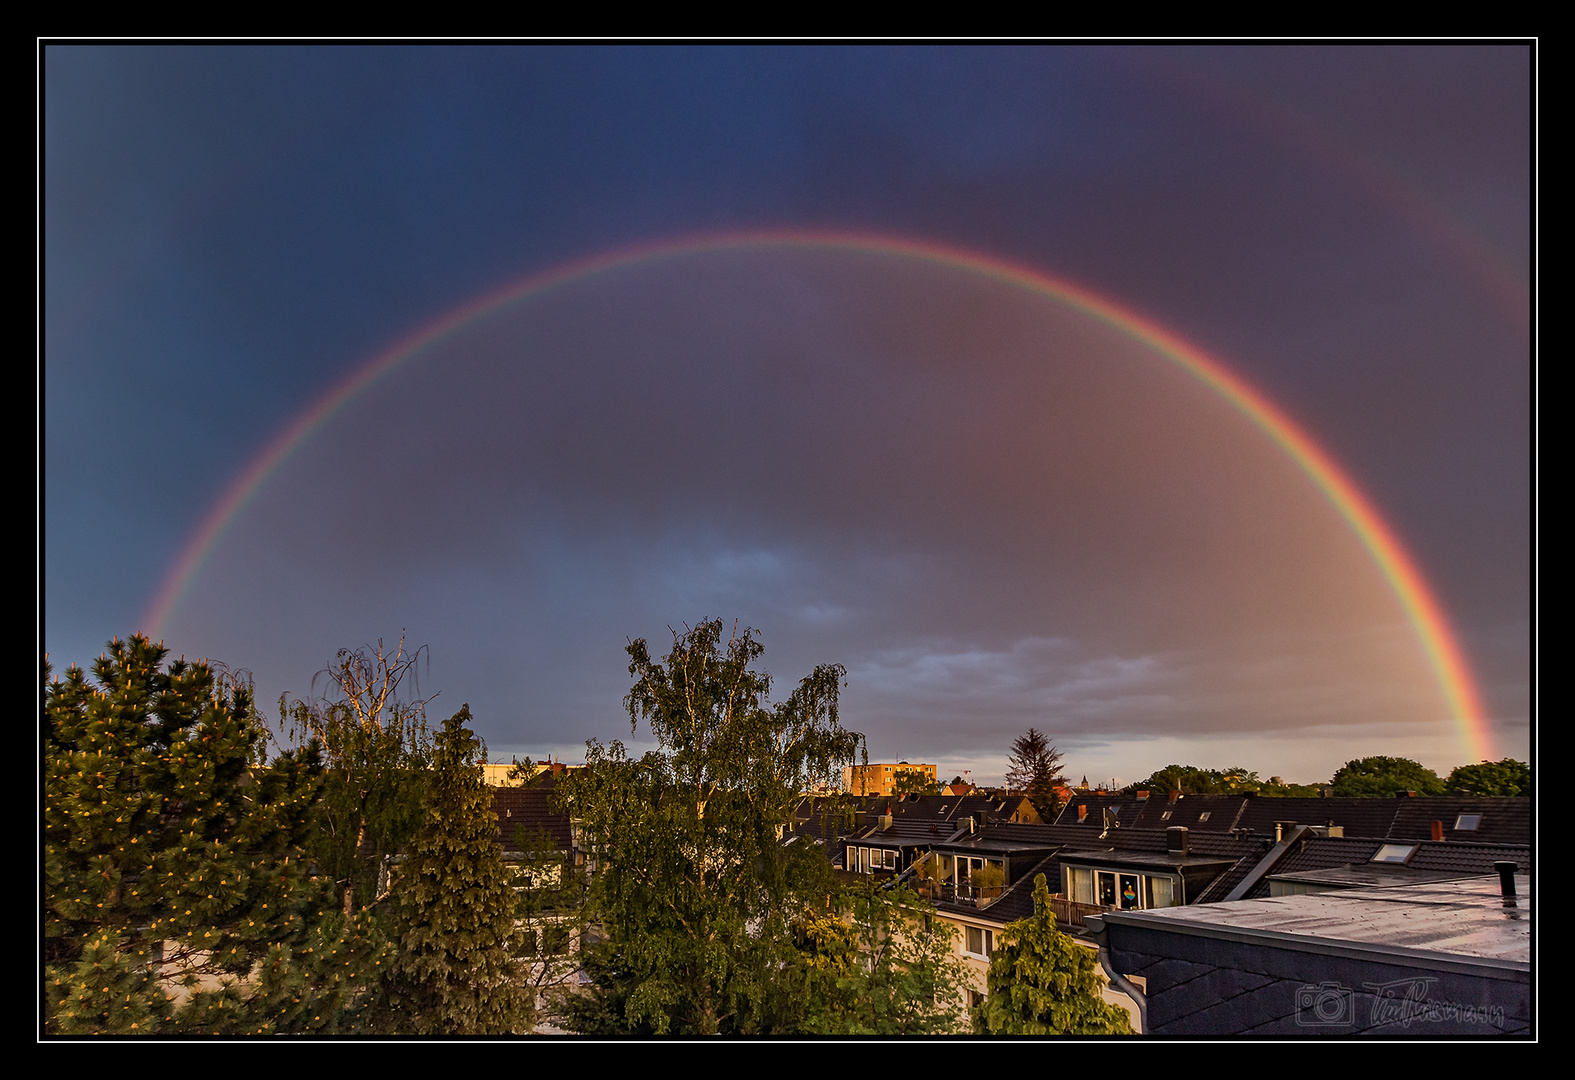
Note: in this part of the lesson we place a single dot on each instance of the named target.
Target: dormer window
(1468, 822)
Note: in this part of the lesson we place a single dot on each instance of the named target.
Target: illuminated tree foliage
(1505, 777)
(172, 852)
(694, 888)
(1041, 983)
(913, 782)
(1034, 768)
(459, 949)
(887, 966)
(1381, 777)
(377, 754)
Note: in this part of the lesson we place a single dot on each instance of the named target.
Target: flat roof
(1450, 924)
(1141, 860)
(1373, 875)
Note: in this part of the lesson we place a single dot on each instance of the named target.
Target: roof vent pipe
(1506, 878)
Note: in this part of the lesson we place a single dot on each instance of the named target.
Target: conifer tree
(1041, 983)
(456, 972)
(172, 851)
(1034, 768)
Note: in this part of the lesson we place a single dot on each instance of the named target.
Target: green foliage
(1505, 777)
(694, 890)
(1035, 770)
(526, 772)
(913, 782)
(989, 876)
(172, 852)
(1042, 983)
(456, 971)
(1291, 791)
(1382, 777)
(1191, 780)
(888, 968)
(550, 916)
(378, 754)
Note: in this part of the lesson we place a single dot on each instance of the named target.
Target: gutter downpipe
(1095, 925)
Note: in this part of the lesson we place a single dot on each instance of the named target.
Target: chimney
(1174, 795)
(1438, 830)
(1176, 840)
(1506, 878)
(1082, 811)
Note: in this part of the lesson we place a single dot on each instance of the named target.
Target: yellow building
(878, 779)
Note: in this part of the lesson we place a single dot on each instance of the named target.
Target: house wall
(1209, 986)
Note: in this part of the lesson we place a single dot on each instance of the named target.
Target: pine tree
(1035, 769)
(172, 851)
(456, 972)
(1041, 983)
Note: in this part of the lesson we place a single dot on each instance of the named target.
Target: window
(1080, 885)
(1468, 822)
(1166, 815)
(1161, 892)
(1204, 816)
(888, 860)
(981, 942)
(1393, 853)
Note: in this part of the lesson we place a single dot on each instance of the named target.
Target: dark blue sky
(228, 231)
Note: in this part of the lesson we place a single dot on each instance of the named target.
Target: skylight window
(1394, 853)
(1204, 816)
(1468, 822)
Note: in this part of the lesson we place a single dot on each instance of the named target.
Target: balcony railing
(1070, 912)
(964, 895)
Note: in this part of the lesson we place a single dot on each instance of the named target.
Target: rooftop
(1458, 923)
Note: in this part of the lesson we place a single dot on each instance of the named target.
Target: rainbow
(1433, 631)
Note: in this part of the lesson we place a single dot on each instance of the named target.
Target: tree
(913, 782)
(173, 852)
(1042, 983)
(695, 891)
(1035, 770)
(887, 966)
(1382, 777)
(1191, 780)
(378, 752)
(1505, 777)
(456, 972)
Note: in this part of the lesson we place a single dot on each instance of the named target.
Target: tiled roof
(1328, 852)
(1358, 817)
(1126, 806)
(1018, 901)
(1502, 820)
(1189, 810)
(529, 808)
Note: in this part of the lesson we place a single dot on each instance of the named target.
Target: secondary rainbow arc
(1399, 570)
